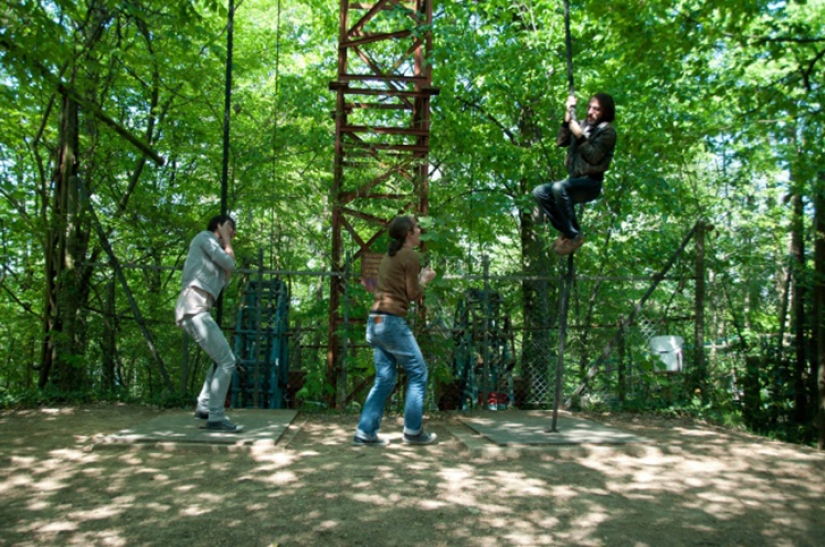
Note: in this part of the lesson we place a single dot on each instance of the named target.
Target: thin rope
(272, 262)
(568, 42)
(277, 96)
(566, 285)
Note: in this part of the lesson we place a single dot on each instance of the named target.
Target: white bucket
(669, 350)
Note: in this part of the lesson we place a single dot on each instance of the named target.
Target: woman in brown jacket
(400, 281)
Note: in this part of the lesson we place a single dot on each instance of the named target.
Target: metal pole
(564, 298)
(486, 369)
(230, 26)
(259, 304)
(227, 104)
(568, 281)
(700, 375)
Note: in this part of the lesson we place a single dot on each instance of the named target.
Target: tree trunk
(108, 342)
(700, 375)
(621, 381)
(799, 295)
(66, 292)
(751, 379)
(819, 304)
(67, 238)
(751, 396)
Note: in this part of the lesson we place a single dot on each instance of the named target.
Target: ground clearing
(692, 485)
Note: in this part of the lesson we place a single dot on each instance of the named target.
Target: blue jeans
(556, 200)
(393, 343)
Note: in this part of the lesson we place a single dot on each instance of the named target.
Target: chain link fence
(490, 340)
(485, 349)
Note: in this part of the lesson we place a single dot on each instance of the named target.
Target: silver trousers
(206, 332)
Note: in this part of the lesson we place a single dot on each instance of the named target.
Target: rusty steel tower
(382, 134)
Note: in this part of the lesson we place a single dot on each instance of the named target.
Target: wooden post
(184, 374)
(335, 288)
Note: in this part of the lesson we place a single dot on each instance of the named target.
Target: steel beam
(382, 135)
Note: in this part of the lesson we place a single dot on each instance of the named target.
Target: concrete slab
(531, 428)
(260, 427)
(470, 438)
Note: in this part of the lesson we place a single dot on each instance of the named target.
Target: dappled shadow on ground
(694, 486)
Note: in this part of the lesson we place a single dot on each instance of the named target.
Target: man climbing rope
(590, 149)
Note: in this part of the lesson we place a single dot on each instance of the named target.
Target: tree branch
(783, 40)
(806, 74)
(87, 105)
(22, 304)
(510, 135)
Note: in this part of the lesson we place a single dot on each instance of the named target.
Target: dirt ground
(696, 485)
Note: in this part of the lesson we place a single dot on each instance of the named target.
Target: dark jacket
(589, 155)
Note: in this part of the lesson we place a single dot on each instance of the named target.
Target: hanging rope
(568, 42)
(277, 96)
(571, 88)
(227, 106)
(272, 258)
(567, 283)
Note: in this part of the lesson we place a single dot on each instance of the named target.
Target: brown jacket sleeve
(412, 268)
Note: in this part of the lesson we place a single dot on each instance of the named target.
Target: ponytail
(395, 246)
(398, 229)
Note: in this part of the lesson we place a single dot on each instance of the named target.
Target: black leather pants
(557, 199)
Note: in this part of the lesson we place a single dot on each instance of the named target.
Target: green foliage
(722, 121)
(35, 397)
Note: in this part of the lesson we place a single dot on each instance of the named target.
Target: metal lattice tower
(261, 346)
(382, 132)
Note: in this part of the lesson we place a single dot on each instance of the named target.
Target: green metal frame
(261, 346)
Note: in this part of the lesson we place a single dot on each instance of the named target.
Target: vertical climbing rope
(568, 42)
(565, 286)
(272, 261)
(230, 35)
